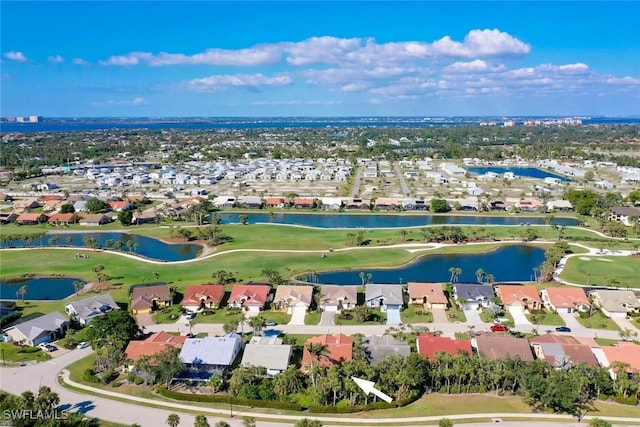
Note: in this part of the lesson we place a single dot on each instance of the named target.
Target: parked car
(270, 323)
(563, 329)
(83, 344)
(498, 328)
(47, 347)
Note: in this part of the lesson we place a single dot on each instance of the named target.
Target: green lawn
(376, 318)
(18, 354)
(416, 314)
(598, 321)
(606, 341)
(280, 317)
(168, 314)
(312, 318)
(454, 314)
(546, 318)
(603, 270)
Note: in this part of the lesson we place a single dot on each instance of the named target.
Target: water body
(371, 220)
(144, 246)
(518, 171)
(509, 263)
(92, 124)
(41, 288)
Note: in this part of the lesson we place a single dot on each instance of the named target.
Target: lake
(41, 288)
(372, 220)
(144, 246)
(518, 171)
(507, 264)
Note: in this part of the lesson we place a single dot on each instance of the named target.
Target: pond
(147, 247)
(518, 171)
(372, 220)
(507, 264)
(40, 288)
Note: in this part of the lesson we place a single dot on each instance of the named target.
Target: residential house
(559, 206)
(562, 352)
(31, 219)
(565, 300)
(338, 297)
(63, 219)
(615, 303)
(145, 298)
(387, 204)
(277, 202)
(524, 297)
(25, 204)
(119, 206)
(357, 204)
(267, 352)
(624, 215)
(145, 217)
(290, 298)
(529, 205)
(388, 298)
(304, 203)
(623, 352)
(8, 217)
(411, 204)
(339, 350)
(204, 357)
(249, 297)
(85, 310)
(94, 219)
(153, 345)
(431, 295)
(53, 205)
(223, 202)
(198, 297)
(501, 346)
(250, 202)
(473, 296)
(43, 329)
(378, 347)
(429, 345)
(331, 203)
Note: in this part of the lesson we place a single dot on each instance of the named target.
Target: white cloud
(126, 102)
(627, 80)
(79, 61)
(295, 102)
(56, 59)
(472, 67)
(16, 56)
(218, 82)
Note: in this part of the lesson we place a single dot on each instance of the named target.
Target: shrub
(109, 375)
(228, 399)
(90, 376)
(629, 400)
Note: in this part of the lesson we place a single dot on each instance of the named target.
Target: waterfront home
(626, 215)
(430, 295)
(357, 204)
(338, 297)
(25, 204)
(94, 219)
(562, 352)
(31, 219)
(277, 202)
(411, 204)
(429, 345)
(250, 202)
(145, 299)
(85, 310)
(623, 352)
(200, 297)
(249, 297)
(378, 347)
(331, 203)
(473, 296)
(8, 217)
(339, 349)
(43, 329)
(559, 205)
(152, 345)
(501, 346)
(388, 298)
(204, 357)
(268, 352)
(565, 300)
(524, 297)
(615, 303)
(290, 298)
(223, 202)
(63, 219)
(387, 204)
(146, 217)
(304, 203)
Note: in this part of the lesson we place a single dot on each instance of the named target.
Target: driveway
(625, 324)
(297, 316)
(571, 321)
(327, 318)
(518, 316)
(144, 319)
(439, 315)
(393, 316)
(473, 318)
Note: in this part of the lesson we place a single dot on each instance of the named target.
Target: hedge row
(207, 398)
(320, 409)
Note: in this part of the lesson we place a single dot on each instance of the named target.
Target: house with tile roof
(31, 219)
(94, 219)
(626, 353)
(147, 298)
(63, 219)
(42, 329)
(277, 202)
(87, 309)
(338, 297)
(615, 303)
(250, 297)
(501, 346)
(204, 357)
(378, 347)
(267, 352)
(525, 297)
(431, 295)
(199, 297)
(304, 203)
(153, 345)
(288, 297)
(429, 345)
(565, 300)
(562, 352)
(339, 350)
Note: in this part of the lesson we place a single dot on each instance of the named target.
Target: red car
(498, 328)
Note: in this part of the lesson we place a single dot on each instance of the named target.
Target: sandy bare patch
(584, 258)
(604, 259)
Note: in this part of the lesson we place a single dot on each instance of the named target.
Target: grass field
(603, 270)
(598, 321)
(17, 354)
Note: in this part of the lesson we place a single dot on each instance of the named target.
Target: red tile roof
(626, 352)
(340, 348)
(194, 294)
(253, 295)
(430, 345)
(433, 291)
(153, 345)
(510, 294)
(567, 297)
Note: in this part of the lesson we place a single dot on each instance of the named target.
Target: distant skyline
(134, 59)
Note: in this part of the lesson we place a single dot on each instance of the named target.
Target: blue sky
(91, 59)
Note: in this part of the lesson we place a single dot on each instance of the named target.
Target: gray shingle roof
(92, 306)
(34, 328)
(271, 356)
(391, 293)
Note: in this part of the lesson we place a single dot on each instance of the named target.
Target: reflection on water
(41, 288)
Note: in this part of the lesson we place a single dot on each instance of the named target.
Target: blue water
(42, 288)
(509, 263)
(91, 124)
(147, 247)
(518, 171)
(371, 220)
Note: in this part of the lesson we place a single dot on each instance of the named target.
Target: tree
(222, 424)
(598, 422)
(231, 326)
(78, 286)
(201, 421)
(274, 276)
(445, 422)
(173, 420)
(214, 383)
(222, 277)
(20, 293)
(67, 208)
(307, 422)
(168, 364)
(257, 323)
(244, 219)
(96, 205)
(116, 327)
(480, 275)
(289, 382)
(248, 422)
(439, 205)
(125, 217)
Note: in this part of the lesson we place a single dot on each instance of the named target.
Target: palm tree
(22, 292)
(69, 240)
(173, 420)
(452, 270)
(480, 273)
(78, 285)
(318, 351)
(244, 219)
(257, 323)
(201, 421)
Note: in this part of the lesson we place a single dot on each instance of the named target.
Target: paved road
(403, 183)
(355, 190)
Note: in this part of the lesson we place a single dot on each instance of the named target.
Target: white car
(83, 344)
(47, 347)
